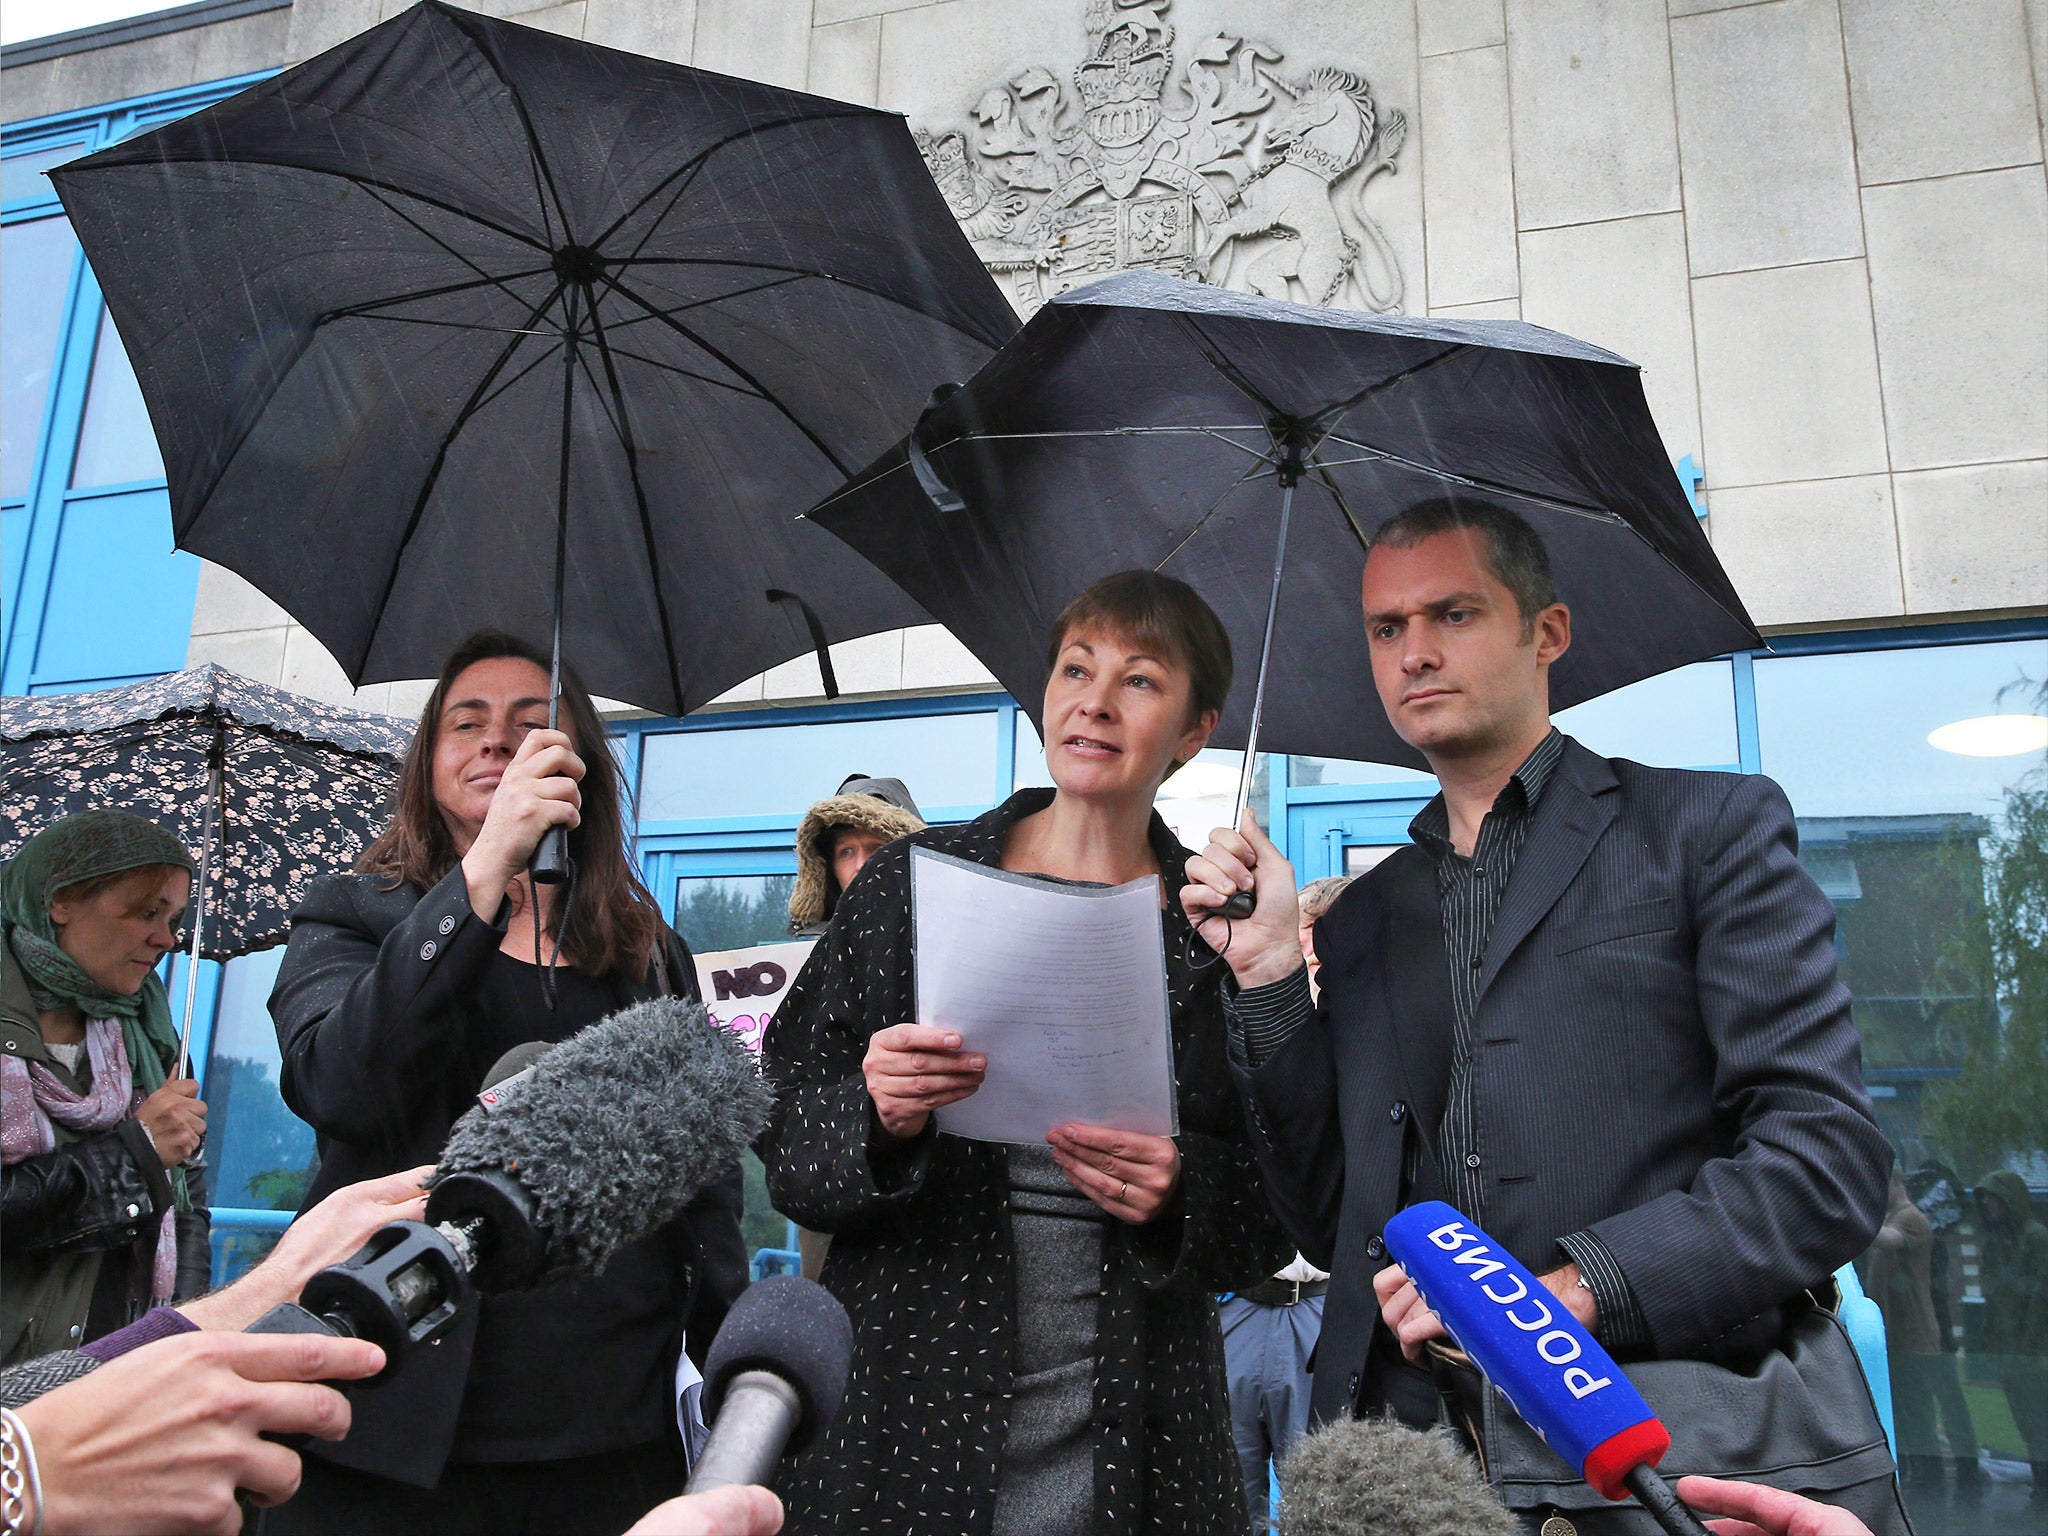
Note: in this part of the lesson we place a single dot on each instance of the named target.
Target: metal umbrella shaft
(1251, 745)
(1244, 903)
(550, 864)
(215, 787)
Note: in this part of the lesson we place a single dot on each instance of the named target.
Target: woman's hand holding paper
(1129, 1175)
(912, 1069)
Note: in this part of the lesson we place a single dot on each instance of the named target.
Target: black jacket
(373, 1006)
(921, 1250)
(1663, 1056)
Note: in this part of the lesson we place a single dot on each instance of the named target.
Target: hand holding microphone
(1567, 1388)
(597, 1143)
(1413, 1324)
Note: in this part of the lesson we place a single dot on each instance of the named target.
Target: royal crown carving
(1216, 167)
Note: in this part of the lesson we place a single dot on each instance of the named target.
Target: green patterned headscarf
(85, 847)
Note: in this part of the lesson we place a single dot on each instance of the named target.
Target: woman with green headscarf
(96, 1220)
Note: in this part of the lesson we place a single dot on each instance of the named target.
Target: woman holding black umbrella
(403, 984)
(1035, 1338)
(99, 1222)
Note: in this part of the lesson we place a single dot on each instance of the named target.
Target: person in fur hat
(837, 836)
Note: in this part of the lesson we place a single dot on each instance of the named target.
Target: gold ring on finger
(1123, 1190)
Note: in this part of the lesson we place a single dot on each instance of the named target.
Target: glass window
(35, 277)
(716, 912)
(1684, 718)
(21, 175)
(1849, 735)
(1306, 772)
(260, 1154)
(1202, 796)
(119, 599)
(780, 770)
(1921, 786)
(1029, 771)
(115, 441)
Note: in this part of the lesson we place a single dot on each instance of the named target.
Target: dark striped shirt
(1468, 892)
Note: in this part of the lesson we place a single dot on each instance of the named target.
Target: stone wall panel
(846, 60)
(1763, 129)
(1810, 552)
(1468, 183)
(1446, 26)
(1975, 537)
(1939, 87)
(1591, 85)
(1788, 375)
(1959, 285)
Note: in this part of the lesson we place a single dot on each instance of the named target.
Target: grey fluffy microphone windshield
(609, 1135)
(1378, 1477)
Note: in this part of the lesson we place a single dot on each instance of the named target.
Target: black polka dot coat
(921, 1250)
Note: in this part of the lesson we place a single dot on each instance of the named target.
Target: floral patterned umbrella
(267, 788)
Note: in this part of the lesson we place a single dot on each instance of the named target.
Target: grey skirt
(1045, 1480)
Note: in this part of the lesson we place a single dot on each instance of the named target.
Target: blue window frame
(91, 592)
(764, 768)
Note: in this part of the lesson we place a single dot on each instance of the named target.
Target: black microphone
(585, 1147)
(1378, 1477)
(773, 1380)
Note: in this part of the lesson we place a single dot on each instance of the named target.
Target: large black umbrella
(1146, 421)
(462, 323)
(268, 789)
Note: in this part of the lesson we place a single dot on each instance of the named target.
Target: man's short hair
(1515, 552)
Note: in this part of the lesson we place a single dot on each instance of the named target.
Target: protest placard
(743, 987)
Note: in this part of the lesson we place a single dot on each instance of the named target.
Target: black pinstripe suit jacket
(1663, 1055)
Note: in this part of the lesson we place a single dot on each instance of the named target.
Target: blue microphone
(1563, 1384)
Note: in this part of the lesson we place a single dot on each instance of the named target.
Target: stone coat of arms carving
(1216, 167)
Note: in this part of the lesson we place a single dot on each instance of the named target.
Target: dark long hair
(614, 922)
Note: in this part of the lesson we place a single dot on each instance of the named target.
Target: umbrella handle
(550, 864)
(1241, 905)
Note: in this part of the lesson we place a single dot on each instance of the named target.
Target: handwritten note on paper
(1062, 987)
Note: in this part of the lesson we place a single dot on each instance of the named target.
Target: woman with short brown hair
(1035, 1339)
(402, 986)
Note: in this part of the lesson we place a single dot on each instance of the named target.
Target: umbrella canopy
(462, 323)
(1143, 421)
(302, 787)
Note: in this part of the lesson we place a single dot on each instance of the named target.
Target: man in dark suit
(1595, 1007)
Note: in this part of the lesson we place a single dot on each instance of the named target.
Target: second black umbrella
(1251, 448)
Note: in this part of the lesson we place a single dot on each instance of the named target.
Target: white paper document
(1062, 987)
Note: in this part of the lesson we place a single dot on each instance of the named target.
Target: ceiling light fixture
(1992, 736)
